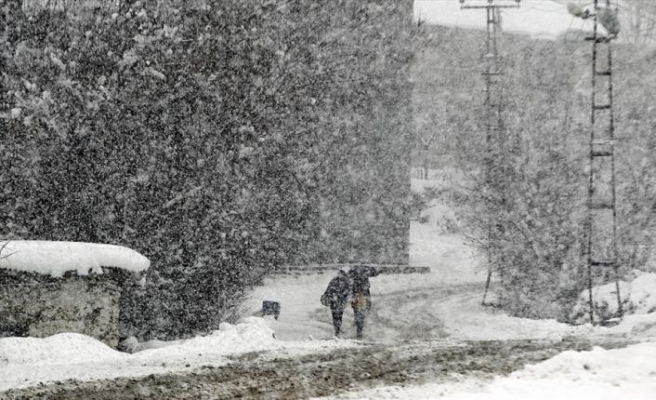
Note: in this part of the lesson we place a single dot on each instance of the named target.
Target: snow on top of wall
(56, 258)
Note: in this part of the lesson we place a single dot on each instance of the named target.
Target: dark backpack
(325, 299)
(338, 290)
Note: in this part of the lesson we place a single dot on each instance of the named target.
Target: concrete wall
(40, 306)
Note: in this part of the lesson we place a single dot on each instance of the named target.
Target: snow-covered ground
(598, 374)
(442, 306)
(28, 362)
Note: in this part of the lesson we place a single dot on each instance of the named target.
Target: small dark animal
(271, 308)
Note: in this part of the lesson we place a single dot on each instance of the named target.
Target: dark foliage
(219, 143)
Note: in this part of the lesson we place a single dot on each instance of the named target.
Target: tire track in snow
(413, 315)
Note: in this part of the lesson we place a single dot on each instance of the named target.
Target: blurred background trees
(537, 251)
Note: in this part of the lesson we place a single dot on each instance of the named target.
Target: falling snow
(235, 156)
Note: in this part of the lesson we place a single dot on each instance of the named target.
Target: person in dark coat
(335, 297)
(360, 287)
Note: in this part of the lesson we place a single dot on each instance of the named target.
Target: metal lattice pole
(493, 105)
(602, 248)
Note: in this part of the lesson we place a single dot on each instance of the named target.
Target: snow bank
(56, 258)
(29, 361)
(638, 326)
(57, 349)
(251, 335)
(634, 364)
(598, 374)
(643, 294)
(638, 297)
(605, 300)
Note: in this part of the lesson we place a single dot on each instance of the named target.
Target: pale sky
(538, 18)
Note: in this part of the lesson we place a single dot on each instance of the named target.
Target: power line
(494, 107)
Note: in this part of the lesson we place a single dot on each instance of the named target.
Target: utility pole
(602, 250)
(492, 73)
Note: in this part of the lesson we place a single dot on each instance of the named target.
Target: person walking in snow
(335, 297)
(361, 302)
